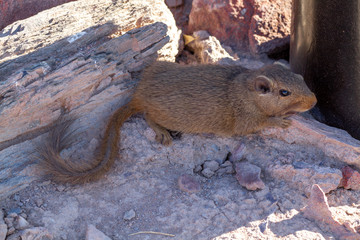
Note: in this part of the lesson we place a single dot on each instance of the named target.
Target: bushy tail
(66, 170)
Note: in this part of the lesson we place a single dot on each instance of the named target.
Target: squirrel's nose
(313, 100)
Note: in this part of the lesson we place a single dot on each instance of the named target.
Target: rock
(3, 231)
(11, 230)
(180, 10)
(302, 176)
(9, 221)
(198, 168)
(16, 197)
(208, 49)
(92, 74)
(238, 153)
(35, 233)
(212, 165)
(270, 26)
(129, 215)
(226, 168)
(42, 28)
(334, 142)
(188, 183)
(248, 176)
(39, 202)
(207, 173)
(226, 164)
(15, 10)
(20, 223)
(92, 233)
(3, 226)
(259, 26)
(351, 178)
(263, 226)
(318, 210)
(229, 169)
(174, 3)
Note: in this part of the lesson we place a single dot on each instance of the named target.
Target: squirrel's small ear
(263, 84)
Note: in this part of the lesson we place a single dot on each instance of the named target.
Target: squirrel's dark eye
(284, 92)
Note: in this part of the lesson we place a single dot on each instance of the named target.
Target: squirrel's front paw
(285, 123)
(164, 138)
(280, 122)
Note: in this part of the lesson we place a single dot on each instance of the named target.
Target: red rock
(270, 26)
(260, 26)
(188, 184)
(13, 10)
(248, 176)
(351, 178)
(181, 10)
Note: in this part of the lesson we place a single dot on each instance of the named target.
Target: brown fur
(225, 100)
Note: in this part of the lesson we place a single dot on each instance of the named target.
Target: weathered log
(84, 56)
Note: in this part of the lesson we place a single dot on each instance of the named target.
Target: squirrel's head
(277, 91)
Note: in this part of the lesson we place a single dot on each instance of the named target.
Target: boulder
(260, 26)
(82, 56)
(13, 10)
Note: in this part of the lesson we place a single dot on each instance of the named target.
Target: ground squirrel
(224, 100)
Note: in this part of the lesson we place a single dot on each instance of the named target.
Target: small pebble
(207, 173)
(60, 188)
(198, 168)
(212, 165)
(39, 202)
(221, 171)
(263, 226)
(226, 164)
(10, 231)
(20, 223)
(248, 176)
(129, 215)
(16, 197)
(229, 169)
(188, 183)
